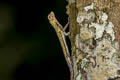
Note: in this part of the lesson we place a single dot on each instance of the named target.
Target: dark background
(29, 47)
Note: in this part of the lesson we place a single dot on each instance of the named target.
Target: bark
(95, 38)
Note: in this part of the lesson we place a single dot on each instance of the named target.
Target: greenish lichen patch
(85, 33)
(86, 8)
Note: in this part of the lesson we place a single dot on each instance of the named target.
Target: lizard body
(60, 31)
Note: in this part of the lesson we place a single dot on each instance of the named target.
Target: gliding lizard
(60, 31)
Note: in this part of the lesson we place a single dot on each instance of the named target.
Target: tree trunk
(95, 38)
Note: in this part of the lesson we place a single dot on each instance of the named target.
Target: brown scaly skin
(60, 31)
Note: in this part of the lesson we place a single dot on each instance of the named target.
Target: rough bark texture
(95, 52)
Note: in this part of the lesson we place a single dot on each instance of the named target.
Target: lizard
(60, 31)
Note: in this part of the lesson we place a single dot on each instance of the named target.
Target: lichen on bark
(94, 28)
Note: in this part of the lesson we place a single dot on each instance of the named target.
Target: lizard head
(52, 19)
(51, 16)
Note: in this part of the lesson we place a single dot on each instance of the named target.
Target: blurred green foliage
(29, 47)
